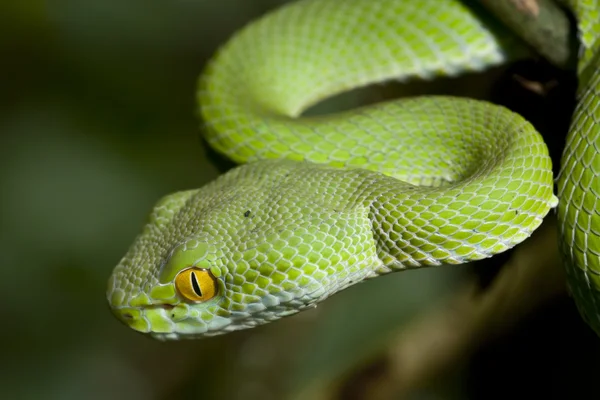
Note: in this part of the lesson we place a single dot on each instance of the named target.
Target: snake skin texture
(321, 203)
(579, 178)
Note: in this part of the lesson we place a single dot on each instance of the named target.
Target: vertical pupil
(195, 285)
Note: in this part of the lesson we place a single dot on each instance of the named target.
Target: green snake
(320, 203)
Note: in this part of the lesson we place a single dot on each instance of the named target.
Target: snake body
(320, 203)
(578, 181)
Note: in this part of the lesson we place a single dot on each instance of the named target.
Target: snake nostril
(127, 315)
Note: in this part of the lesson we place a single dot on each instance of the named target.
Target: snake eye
(196, 284)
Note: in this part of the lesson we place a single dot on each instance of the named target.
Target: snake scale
(320, 203)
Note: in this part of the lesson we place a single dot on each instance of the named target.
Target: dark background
(97, 121)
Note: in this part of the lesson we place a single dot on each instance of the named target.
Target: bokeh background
(98, 121)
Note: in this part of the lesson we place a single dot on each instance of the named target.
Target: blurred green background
(97, 122)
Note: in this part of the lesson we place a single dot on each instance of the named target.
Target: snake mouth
(164, 337)
(169, 321)
(158, 318)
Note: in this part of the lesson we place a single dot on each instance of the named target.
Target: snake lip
(127, 316)
(166, 308)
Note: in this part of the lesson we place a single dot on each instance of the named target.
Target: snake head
(169, 284)
(236, 254)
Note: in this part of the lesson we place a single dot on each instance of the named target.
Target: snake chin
(167, 322)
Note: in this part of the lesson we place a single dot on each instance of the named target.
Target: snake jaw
(177, 319)
(146, 320)
(167, 321)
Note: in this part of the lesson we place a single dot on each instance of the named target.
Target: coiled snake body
(320, 203)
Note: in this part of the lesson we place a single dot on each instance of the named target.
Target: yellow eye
(196, 284)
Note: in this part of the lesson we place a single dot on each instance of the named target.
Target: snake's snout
(154, 319)
(132, 317)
